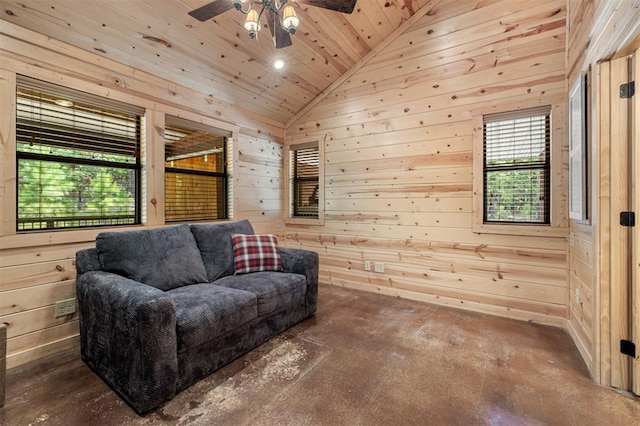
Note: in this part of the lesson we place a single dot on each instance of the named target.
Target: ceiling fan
(281, 27)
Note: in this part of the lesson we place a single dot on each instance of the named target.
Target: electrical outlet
(65, 307)
(379, 267)
(367, 265)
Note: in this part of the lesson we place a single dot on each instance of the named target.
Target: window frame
(226, 174)
(558, 223)
(98, 101)
(290, 217)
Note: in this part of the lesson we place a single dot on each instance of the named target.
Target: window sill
(315, 221)
(522, 230)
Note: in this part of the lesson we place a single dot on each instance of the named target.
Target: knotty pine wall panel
(37, 269)
(582, 262)
(399, 162)
(258, 182)
(581, 15)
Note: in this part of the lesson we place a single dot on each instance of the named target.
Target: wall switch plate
(379, 267)
(65, 307)
(367, 265)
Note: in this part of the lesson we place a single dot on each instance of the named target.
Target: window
(196, 179)
(305, 180)
(517, 167)
(78, 158)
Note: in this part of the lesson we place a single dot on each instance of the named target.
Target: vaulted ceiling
(216, 56)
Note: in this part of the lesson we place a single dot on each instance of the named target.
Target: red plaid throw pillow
(255, 253)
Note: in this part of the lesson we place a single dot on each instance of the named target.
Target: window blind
(517, 166)
(51, 117)
(305, 160)
(195, 172)
(78, 158)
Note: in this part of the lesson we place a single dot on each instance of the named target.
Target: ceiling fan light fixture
(290, 20)
(281, 17)
(251, 24)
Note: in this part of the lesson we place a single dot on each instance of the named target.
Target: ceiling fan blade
(344, 6)
(281, 37)
(212, 9)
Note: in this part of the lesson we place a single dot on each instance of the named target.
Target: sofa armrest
(128, 336)
(306, 263)
(87, 260)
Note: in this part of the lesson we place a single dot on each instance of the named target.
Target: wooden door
(618, 158)
(620, 235)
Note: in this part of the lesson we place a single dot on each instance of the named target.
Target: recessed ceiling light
(278, 64)
(63, 103)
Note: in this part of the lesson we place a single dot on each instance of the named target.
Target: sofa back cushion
(215, 244)
(165, 258)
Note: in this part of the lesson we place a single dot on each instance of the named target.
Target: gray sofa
(162, 308)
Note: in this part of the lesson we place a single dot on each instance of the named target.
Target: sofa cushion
(206, 311)
(164, 258)
(255, 253)
(274, 290)
(214, 242)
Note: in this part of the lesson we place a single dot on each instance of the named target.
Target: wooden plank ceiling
(217, 57)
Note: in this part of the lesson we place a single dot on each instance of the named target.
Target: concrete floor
(364, 359)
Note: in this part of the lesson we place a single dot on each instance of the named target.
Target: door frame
(618, 246)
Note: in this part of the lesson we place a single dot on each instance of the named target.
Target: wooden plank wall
(37, 269)
(398, 161)
(582, 260)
